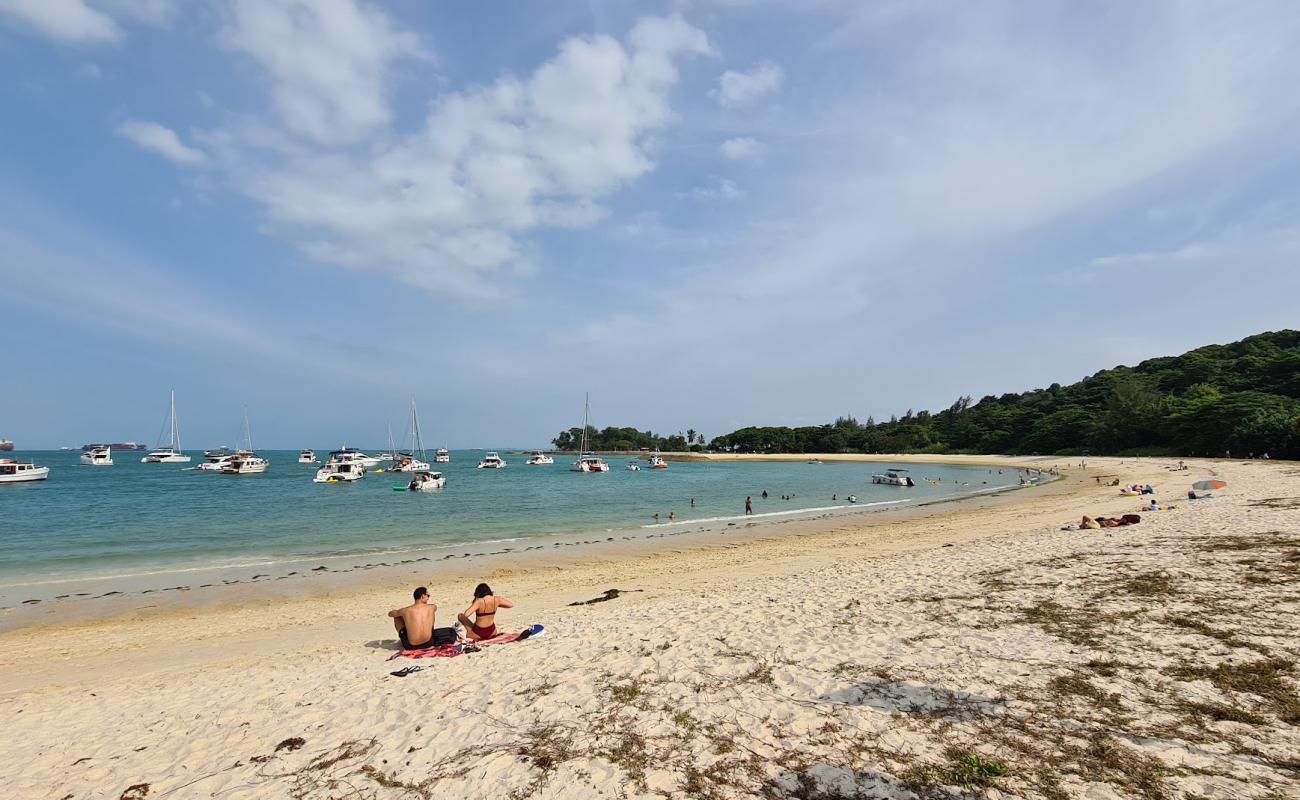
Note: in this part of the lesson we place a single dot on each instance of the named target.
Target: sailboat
(169, 453)
(406, 461)
(245, 461)
(588, 461)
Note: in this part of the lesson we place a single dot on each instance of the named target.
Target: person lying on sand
(414, 623)
(484, 608)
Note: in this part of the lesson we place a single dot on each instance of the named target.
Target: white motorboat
(339, 472)
(354, 455)
(657, 462)
(538, 458)
(491, 461)
(14, 471)
(307, 457)
(441, 456)
(632, 466)
(245, 462)
(893, 477)
(406, 460)
(588, 461)
(214, 460)
(424, 481)
(169, 453)
(98, 457)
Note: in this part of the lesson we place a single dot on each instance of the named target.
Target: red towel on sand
(453, 650)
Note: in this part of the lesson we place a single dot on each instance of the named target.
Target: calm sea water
(132, 519)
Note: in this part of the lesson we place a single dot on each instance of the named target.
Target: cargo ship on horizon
(117, 446)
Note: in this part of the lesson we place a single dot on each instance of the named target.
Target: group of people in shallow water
(417, 627)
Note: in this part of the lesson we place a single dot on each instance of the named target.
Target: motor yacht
(214, 460)
(307, 457)
(98, 457)
(893, 477)
(657, 462)
(352, 454)
(14, 471)
(491, 461)
(632, 466)
(441, 456)
(339, 472)
(538, 458)
(424, 481)
(245, 462)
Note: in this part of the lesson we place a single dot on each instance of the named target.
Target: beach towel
(453, 650)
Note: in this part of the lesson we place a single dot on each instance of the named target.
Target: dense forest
(1241, 398)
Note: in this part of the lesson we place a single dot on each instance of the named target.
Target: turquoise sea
(132, 520)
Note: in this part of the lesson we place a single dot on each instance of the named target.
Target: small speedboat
(214, 460)
(538, 458)
(657, 462)
(424, 481)
(491, 461)
(98, 457)
(339, 472)
(632, 466)
(893, 477)
(14, 471)
(307, 457)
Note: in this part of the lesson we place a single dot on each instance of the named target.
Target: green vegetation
(1241, 398)
(629, 439)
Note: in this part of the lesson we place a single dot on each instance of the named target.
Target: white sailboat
(406, 461)
(245, 461)
(169, 453)
(588, 461)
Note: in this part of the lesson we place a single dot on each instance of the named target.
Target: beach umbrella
(1207, 485)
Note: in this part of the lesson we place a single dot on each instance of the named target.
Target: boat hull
(26, 476)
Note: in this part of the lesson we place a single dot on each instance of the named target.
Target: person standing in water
(749, 506)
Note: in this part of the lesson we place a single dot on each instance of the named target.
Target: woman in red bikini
(484, 608)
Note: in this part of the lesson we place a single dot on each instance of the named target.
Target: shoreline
(190, 585)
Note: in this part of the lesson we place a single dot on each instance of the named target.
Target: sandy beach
(961, 649)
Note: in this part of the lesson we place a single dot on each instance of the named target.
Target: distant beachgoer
(749, 504)
(692, 502)
(833, 498)
(1090, 523)
(656, 516)
(764, 495)
(484, 608)
(672, 515)
(414, 623)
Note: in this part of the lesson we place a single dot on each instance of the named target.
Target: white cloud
(737, 89)
(328, 60)
(722, 189)
(741, 148)
(69, 21)
(153, 12)
(443, 207)
(162, 141)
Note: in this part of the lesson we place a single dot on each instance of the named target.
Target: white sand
(828, 657)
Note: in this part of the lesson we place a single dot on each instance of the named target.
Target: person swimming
(484, 608)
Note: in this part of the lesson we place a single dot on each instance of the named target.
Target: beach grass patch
(1078, 685)
(1148, 584)
(1264, 679)
(1220, 712)
(1074, 627)
(964, 769)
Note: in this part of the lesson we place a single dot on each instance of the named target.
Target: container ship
(118, 446)
(6, 445)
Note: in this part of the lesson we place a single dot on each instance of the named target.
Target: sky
(706, 213)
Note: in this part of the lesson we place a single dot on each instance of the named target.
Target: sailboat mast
(176, 432)
(417, 441)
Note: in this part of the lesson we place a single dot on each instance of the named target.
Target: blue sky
(709, 214)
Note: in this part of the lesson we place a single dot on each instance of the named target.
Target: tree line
(1241, 399)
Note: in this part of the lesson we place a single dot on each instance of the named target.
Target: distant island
(1238, 399)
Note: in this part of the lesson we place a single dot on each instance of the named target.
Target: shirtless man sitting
(414, 623)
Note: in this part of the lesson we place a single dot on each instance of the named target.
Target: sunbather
(484, 608)
(415, 622)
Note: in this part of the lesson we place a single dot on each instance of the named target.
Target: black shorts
(406, 644)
